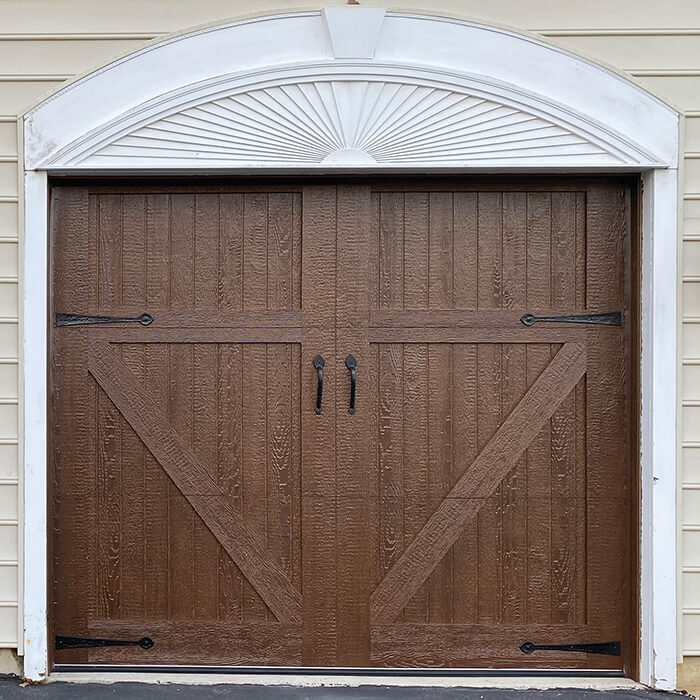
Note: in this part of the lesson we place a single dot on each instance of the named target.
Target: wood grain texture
(197, 642)
(424, 282)
(356, 471)
(319, 476)
(534, 334)
(479, 482)
(73, 405)
(474, 646)
(193, 481)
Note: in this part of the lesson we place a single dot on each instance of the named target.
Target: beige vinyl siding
(45, 41)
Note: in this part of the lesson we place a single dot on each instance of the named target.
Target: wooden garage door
(470, 508)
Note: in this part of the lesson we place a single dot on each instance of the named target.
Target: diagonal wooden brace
(191, 477)
(479, 482)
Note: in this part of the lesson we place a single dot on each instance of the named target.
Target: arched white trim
(351, 87)
(365, 90)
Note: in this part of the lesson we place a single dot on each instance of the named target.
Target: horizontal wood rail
(460, 644)
(193, 335)
(536, 334)
(191, 642)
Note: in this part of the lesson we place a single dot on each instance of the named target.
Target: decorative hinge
(614, 318)
(82, 320)
(87, 642)
(609, 648)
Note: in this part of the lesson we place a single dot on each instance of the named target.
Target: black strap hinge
(609, 648)
(89, 642)
(85, 320)
(614, 318)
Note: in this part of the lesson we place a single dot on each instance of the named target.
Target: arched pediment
(351, 95)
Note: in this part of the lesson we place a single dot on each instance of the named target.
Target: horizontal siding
(692, 135)
(691, 175)
(8, 178)
(39, 56)
(691, 218)
(9, 382)
(691, 465)
(144, 16)
(8, 217)
(8, 138)
(16, 94)
(44, 41)
(639, 52)
(8, 340)
(8, 297)
(683, 91)
(9, 466)
(9, 252)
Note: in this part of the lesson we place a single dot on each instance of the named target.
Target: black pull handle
(351, 364)
(319, 362)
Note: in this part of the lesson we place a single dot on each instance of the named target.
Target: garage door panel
(471, 264)
(182, 252)
(472, 496)
(479, 250)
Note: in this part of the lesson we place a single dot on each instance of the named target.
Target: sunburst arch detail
(346, 119)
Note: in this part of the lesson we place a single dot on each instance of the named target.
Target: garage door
(343, 425)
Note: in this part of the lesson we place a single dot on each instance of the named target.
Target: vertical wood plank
(205, 380)
(109, 421)
(356, 450)
(181, 405)
(279, 386)
(319, 530)
(440, 373)
(390, 382)
(489, 384)
(74, 546)
(514, 512)
(255, 379)
(157, 483)
(230, 393)
(416, 508)
(132, 449)
(391, 253)
(607, 386)
(466, 575)
(563, 423)
(391, 436)
(230, 448)
(539, 277)
(581, 429)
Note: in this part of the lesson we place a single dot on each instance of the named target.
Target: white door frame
(358, 90)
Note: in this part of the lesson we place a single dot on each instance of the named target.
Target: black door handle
(319, 362)
(351, 364)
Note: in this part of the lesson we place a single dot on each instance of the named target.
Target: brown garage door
(219, 500)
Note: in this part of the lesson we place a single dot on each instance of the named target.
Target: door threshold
(316, 677)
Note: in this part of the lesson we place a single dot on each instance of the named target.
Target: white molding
(296, 92)
(350, 115)
(353, 34)
(35, 377)
(596, 107)
(659, 436)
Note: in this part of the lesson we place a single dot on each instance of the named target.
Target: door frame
(658, 273)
